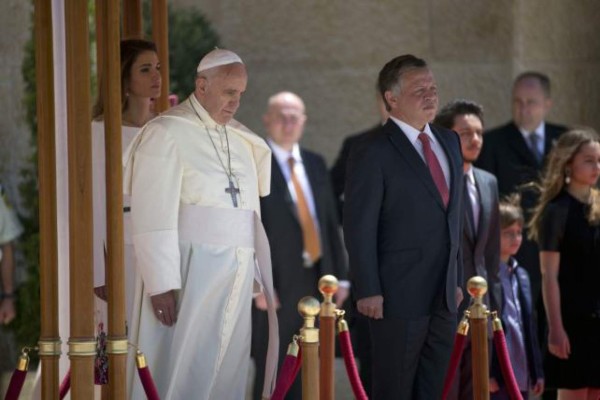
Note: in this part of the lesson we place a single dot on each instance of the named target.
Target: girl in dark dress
(566, 224)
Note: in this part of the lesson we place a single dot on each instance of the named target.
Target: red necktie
(434, 168)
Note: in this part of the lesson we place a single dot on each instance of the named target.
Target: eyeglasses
(512, 234)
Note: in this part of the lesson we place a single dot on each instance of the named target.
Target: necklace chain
(227, 169)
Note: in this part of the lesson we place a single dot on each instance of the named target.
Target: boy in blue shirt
(517, 319)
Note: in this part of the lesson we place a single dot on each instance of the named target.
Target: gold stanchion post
(477, 288)
(309, 308)
(328, 286)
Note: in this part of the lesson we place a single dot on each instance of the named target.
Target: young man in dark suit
(300, 218)
(481, 231)
(402, 226)
(515, 154)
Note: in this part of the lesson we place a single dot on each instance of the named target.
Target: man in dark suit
(402, 225)
(301, 222)
(338, 170)
(515, 154)
(359, 326)
(481, 229)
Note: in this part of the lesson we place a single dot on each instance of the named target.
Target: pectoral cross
(233, 191)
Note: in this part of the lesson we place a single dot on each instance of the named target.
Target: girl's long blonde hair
(553, 180)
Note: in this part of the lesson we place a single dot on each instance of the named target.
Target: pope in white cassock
(195, 176)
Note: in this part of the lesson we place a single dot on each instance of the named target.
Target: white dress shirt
(540, 132)
(413, 136)
(282, 156)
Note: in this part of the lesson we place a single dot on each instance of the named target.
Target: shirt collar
(282, 155)
(540, 131)
(509, 267)
(470, 175)
(412, 133)
(204, 115)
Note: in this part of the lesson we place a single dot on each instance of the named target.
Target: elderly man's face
(284, 121)
(221, 92)
(530, 104)
(417, 101)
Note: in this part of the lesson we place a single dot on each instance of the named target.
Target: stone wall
(329, 52)
(15, 19)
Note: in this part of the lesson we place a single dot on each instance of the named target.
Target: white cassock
(99, 207)
(189, 237)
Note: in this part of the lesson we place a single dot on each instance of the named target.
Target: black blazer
(402, 242)
(532, 347)
(280, 218)
(506, 155)
(338, 171)
(481, 252)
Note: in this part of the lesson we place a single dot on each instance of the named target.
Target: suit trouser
(411, 356)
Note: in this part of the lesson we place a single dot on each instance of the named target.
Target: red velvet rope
(65, 385)
(16, 385)
(505, 366)
(148, 383)
(348, 353)
(457, 351)
(287, 375)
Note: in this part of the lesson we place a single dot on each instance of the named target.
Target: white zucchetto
(217, 58)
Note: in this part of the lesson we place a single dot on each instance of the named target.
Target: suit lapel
(413, 159)
(484, 193)
(515, 139)
(468, 227)
(311, 174)
(551, 136)
(443, 139)
(280, 185)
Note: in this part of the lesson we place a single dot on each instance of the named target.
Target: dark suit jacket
(402, 242)
(506, 155)
(481, 253)
(291, 279)
(338, 171)
(532, 347)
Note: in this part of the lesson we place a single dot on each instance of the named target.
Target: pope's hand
(372, 306)
(164, 307)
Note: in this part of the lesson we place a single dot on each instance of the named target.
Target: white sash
(240, 228)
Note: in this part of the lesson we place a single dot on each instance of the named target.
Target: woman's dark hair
(130, 51)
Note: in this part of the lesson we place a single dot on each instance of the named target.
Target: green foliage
(27, 323)
(191, 36)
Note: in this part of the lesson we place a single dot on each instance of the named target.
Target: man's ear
(548, 104)
(390, 98)
(201, 84)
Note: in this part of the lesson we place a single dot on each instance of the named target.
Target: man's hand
(101, 292)
(371, 307)
(260, 301)
(493, 385)
(7, 310)
(164, 307)
(538, 388)
(459, 296)
(341, 296)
